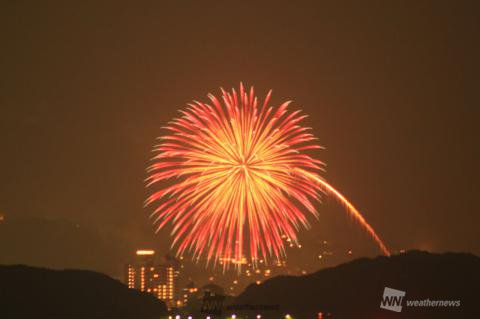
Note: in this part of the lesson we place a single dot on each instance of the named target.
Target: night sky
(392, 92)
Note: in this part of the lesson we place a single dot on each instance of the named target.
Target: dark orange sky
(392, 92)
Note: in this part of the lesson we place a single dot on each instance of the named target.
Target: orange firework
(240, 179)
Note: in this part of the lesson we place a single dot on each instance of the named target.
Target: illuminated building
(165, 283)
(231, 260)
(159, 279)
(140, 273)
(189, 292)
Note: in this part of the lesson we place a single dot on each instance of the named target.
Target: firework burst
(240, 179)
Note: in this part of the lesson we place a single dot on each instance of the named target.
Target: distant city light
(259, 316)
(234, 316)
(177, 317)
(147, 252)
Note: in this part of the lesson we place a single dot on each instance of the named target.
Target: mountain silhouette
(355, 289)
(29, 292)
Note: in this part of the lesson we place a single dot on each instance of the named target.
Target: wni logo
(392, 299)
(212, 304)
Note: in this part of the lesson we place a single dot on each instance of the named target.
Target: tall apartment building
(159, 279)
